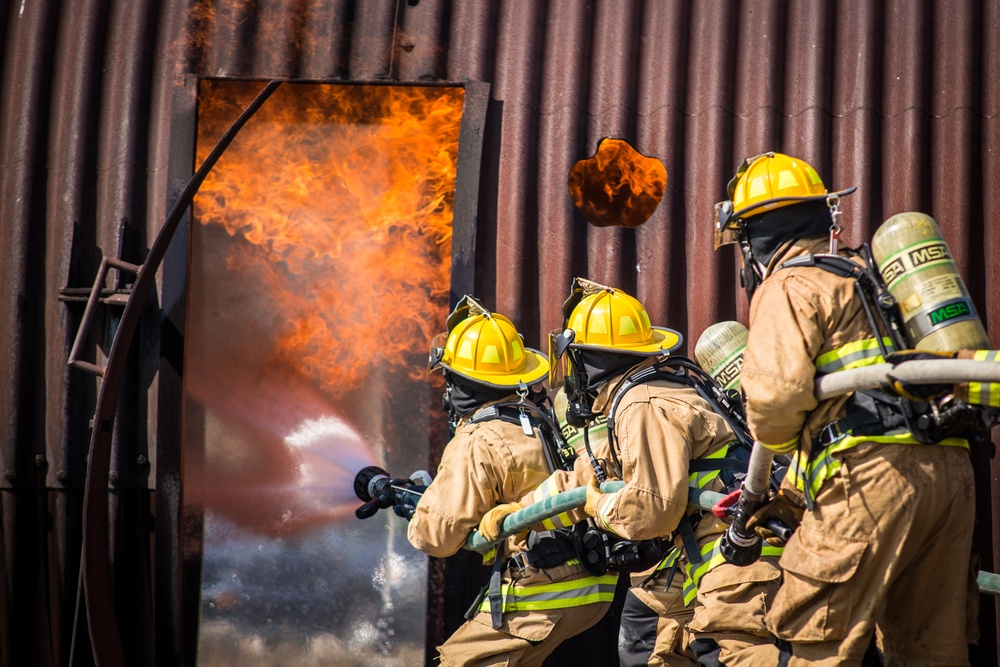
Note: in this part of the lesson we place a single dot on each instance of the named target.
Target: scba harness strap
(875, 414)
(883, 411)
(546, 549)
(684, 371)
(533, 420)
(729, 463)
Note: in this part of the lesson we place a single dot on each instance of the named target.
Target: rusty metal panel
(24, 105)
(70, 208)
(900, 98)
(22, 244)
(374, 33)
(470, 40)
(325, 45)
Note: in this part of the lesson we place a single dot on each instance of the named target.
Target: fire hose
(566, 501)
(741, 545)
(756, 483)
(915, 371)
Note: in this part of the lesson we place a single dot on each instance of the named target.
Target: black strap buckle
(520, 561)
(828, 434)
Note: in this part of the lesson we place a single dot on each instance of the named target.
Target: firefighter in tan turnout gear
(539, 594)
(660, 435)
(887, 529)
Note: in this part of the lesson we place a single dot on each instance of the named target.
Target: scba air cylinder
(921, 275)
(720, 352)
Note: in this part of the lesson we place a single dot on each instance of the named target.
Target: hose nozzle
(379, 491)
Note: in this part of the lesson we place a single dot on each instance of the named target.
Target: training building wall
(899, 98)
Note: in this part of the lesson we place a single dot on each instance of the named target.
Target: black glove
(780, 508)
(406, 505)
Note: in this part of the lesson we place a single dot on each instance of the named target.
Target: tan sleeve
(654, 453)
(787, 323)
(454, 503)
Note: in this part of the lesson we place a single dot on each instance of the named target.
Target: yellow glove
(917, 392)
(489, 526)
(780, 507)
(594, 494)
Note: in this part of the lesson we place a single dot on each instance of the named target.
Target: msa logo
(892, 271)
(949, 312)
(929, 253)
(730, 372)
(571, 433)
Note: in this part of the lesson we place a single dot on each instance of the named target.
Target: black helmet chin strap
(751, 273)
(580, 402)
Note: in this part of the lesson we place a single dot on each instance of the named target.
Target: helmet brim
(536, 368)
(778, 202)
(664, 341)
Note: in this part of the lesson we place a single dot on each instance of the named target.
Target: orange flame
(617, 186)
(347, 191)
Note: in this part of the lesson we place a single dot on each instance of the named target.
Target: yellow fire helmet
(765, 183)
(486, 347)
(607, 318)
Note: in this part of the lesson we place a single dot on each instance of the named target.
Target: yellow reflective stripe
(542, 605)
(712, 558)
(546, 489)
(555, 596)
(784, 447)
(604, 514)
(690, 591)
(821, 467)
(985, 393)
(490, 556)
(669, 560)
(858, 354)
(703, 478)
(558, 521)
(562, 586)
(771, 550)
(796, 472)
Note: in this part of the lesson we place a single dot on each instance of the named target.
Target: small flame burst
(617, 186)
(347, 192)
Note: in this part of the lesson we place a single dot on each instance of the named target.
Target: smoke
(267, 449)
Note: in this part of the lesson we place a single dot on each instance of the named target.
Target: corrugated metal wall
(898, 97)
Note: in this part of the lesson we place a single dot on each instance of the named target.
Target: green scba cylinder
(921, 275)
(720, 352)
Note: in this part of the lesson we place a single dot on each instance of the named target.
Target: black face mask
(463, 396)
(602, 366)
(766, 234)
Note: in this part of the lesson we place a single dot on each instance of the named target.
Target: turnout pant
(525, 638)
(885, 551)
(653, 625)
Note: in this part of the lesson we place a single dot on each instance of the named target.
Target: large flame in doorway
(347, 191)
